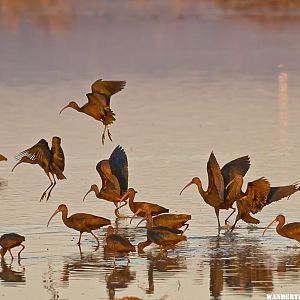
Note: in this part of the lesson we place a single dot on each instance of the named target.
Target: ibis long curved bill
(55, 213)
(274, 221)
(123, 199)
(141, 221)
(190, 183)
(64, 108)
(86, 194)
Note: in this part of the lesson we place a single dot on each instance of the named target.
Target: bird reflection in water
(7, 274)
(241, 267)
(119, 278)
(168, 264)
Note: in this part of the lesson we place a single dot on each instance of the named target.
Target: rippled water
(198, 79)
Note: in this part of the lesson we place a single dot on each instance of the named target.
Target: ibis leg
(10, 254)
(44, 194)
(95, 238)
(103, 134)
(51, 188)
(109, 135)
(233, 211)
(236, 220)
(114, 260)
(128, 260)
(79, 239)
(19, 254)
(217, 211)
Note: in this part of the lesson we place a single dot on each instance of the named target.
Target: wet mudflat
(198, 79)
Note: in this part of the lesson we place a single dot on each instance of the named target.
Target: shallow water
(198, 79)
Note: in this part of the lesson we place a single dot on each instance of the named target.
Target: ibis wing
(234, 189)
(215, 178)
(255, 197)
(107, 88)
(279, 192)
(39, 153)
(119, 167)
(109, 180)
(236, 167)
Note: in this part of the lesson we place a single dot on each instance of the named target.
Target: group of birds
(163, 228)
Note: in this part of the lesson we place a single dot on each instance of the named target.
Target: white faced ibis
(221, 192)
(98, 105)
(114, 176)
(11, 240)
(51, 161)
(164, 237)
(81, 222)
(171, 220)
(118, 244)
(289, 230)
(2, 157)
(258, 195)
(139, 208)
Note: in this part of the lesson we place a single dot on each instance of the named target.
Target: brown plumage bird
(170, 220)
(118, 244)
(259, 194)
(11, 240)
(289, 230)
(114, 176)
(164, 237)
(221, 192)
(139, 208)
(2, 157)
(81, 222)
(52, 161)
(98, 105)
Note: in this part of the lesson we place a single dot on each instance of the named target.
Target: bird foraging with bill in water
(117, 243)
(98, 105)
(289, 230)
(114, 176)
(81, 222)
(52, 161)
(163, 236)
(9, 241)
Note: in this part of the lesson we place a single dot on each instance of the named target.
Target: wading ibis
(118, 244)
(114, 176)
(11, 240)
(98, 105)
(258, 195)
(289, 230)
(139, 208)
(52, 161)
(81, 222)
(221, 192)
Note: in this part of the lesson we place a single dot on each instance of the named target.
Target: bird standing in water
(140, 208)
(114, 176)
(222, 192)
(81, 222)
(118, 244)
(289, 230)
(98, 105)
(52, 161)
(2, 157)
(11, 240)
(259, 194)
